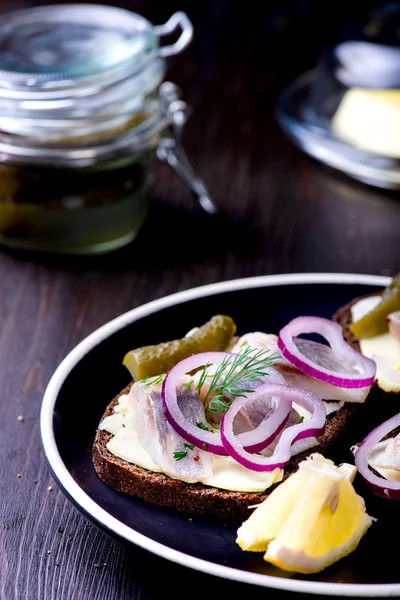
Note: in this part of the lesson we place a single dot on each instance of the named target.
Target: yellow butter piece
(370, 119)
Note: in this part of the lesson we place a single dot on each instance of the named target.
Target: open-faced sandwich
(211, 423)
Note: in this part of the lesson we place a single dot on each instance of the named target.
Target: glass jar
(84, 113)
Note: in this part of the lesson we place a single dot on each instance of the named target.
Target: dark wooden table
(280, 212)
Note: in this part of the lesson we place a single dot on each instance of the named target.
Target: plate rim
(101, 517)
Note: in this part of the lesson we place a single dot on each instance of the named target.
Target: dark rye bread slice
(197, 498)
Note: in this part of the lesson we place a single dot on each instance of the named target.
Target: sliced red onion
(303, 445)
(206, 440)
(341, 365)
(261, 436)
(282, 453)
(394, 324)
(257, 439)
(297, 378)
(387, 488)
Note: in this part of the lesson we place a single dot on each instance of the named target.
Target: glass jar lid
(59, 46)
(79, 81)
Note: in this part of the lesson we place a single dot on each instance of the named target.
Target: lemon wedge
(309, 521)
(259, 529)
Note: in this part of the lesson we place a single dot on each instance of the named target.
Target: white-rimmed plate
(92, 374)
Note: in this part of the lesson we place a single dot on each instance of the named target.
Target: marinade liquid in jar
(84, 113)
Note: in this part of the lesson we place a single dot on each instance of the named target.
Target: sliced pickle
(147, 361)
(376, 322)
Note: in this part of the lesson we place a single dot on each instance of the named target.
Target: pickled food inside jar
(72, 210)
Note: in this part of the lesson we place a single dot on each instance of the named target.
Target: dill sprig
(202, 425)
(182, 453)
(148, 381)
(188, 384)
(230, 378)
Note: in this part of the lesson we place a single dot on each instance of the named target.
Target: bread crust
(197, 498)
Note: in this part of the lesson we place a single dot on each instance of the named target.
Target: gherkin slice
(147, 361)
(375, 322)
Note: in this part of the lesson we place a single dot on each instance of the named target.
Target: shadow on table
(171, 236)
(352, 190)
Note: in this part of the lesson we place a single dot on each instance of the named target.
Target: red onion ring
(265, 433)
(281, 455)
(365, 367)
(206, 440)
(387, 488)
(211, 441)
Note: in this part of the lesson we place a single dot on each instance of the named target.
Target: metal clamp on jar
(84, 112)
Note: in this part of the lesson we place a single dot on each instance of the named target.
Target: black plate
(92, 374)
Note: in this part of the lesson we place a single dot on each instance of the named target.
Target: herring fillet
(159, 437)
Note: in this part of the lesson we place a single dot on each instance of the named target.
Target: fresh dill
(203, 426)
(232, 377)
(179, 455)
(182, 453)
(148, 381)
(188, 384)
(203, 377)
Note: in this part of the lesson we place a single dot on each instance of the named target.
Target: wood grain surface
(280, 212)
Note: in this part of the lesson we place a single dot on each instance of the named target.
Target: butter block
(370, 120)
